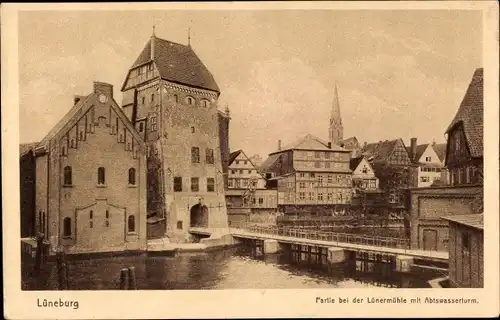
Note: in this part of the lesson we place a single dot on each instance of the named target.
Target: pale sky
(400, 74)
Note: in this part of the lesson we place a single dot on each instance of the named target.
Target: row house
(246, 186)
(365, 185)
(428, 168)
(312, 177)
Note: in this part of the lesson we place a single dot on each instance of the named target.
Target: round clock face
(102, 98)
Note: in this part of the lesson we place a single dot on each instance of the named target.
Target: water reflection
(236, 268)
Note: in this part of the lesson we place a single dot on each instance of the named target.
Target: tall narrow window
(107, 218)
(143, 100)
(195, 155)
(176, 98)
(91, 217)
(131, 176)
(141, 126)
(210, 156)
(72, 144)
(68, 179)
(101, 178)
(67, 227)
(210, 184)
(43, 223)
(195, 185)
(178, 184)
(152, 97)
(153, 123)
(131, 223)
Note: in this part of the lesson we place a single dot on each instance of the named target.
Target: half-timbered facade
(464, 155)
(312, 176)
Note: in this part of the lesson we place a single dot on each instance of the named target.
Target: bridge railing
(379, 241)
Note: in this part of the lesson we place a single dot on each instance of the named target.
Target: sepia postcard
(250, 160)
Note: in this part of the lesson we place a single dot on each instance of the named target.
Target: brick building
(90, 178)
(313, 177)
(171, 98)
(466, 251)
(464, 159)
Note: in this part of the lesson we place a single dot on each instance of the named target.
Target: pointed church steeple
(153, 44)
(336, 130)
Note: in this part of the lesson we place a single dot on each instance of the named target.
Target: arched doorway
(199, 216)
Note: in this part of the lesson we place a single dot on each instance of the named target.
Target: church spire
(336, 130)
(189, 36)
(153, 44)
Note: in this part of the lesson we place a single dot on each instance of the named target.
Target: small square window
(179, 225)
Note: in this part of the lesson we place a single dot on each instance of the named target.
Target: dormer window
(190, 101)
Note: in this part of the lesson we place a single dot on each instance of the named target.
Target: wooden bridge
(348, 242)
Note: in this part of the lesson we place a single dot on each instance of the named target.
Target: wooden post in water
(124, 275)
(132, 281)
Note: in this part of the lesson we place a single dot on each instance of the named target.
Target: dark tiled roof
(233, 156)
(355, 162)
(310, 142)
(350, 143)
(440, 149)
(418, 153)
(470, 114)
(25, 147)
(379, 151)
(471, 220)
(269, 161)
(178, 63)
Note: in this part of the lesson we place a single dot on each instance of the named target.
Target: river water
(234, 268)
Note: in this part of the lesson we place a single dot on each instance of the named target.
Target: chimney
(279, 145)
(413, 148)
(433, 142)
(329, 145)
(105, 88)
(77, 99)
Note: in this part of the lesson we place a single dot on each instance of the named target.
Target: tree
(394, 182)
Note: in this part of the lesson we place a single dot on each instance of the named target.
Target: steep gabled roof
(63, 121)
(440, 149)
(419, 152)
(354, 163)
(351, 141)
(311, 142)
(177, 63)
(379, 151)
(269, 161)
(470, 114)
(233, 156)
(81, 104)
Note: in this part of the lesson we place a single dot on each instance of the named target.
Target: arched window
(67, 227)
(131, 224)
(190, 101)
(101, 178)
(131, 176)
(63, 150)
(193, 130)
(205, 103)
(68, 179)
(141, 126)
(91, 215)
(152, 97)
(72, 143)
(176, 98)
